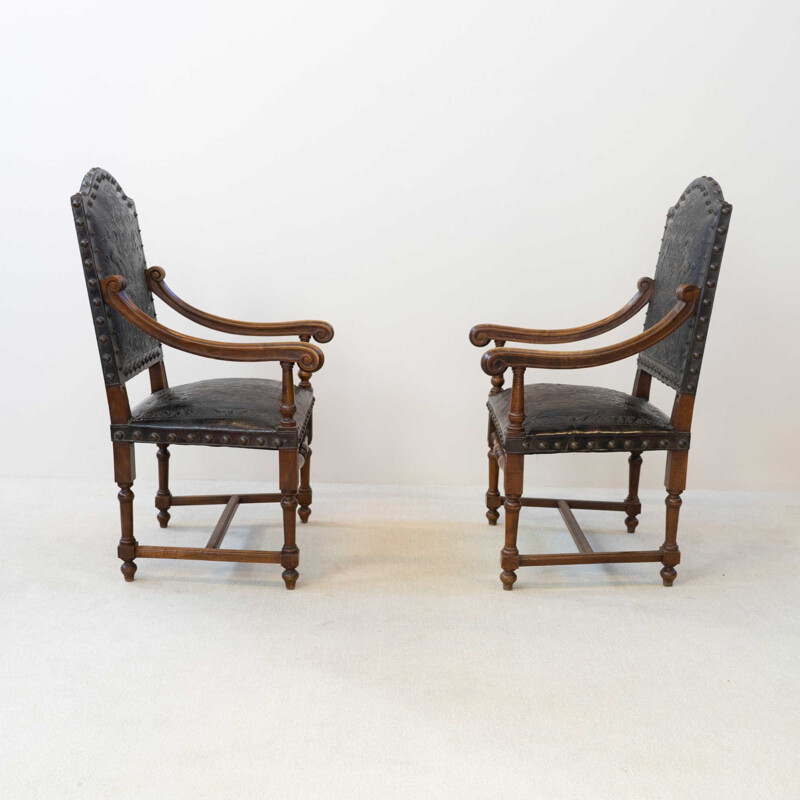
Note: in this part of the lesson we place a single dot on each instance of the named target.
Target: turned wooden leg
(492, 495)
(163, 496)
(677, 462)
(290, 555)
(124, 475)
(512, 483)
(304, 491)
(633, 506)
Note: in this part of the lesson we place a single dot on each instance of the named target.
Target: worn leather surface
(563, 418)
(115, 248)
(687, 252)
(233, 407)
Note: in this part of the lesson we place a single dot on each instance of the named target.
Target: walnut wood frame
(507, 450)
(108, 295)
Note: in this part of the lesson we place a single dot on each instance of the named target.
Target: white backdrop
(404, 170)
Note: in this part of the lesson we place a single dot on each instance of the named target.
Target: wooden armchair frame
(507, 448)
(112, 302)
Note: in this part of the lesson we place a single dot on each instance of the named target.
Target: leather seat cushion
(234, 405)
(552, 408)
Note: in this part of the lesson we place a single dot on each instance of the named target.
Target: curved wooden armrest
(497, 360)
(481, 335)
(307, 356)
(321, 331)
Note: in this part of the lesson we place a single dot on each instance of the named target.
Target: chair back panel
(110, 243)
(691, 252)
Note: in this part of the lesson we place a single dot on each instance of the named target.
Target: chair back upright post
(110, 243)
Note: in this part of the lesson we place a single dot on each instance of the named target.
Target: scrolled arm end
(479, 335)
(646, 286)
(323, 332)
(155, 275)
(312, 359)
(493, 362)
(688, 293)
(113, 284)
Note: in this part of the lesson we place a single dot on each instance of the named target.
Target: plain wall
(404, 170)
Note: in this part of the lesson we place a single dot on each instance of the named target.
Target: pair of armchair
(278, 415)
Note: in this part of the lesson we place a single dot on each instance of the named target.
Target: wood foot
(290, 578)
(128, 570)
(508, 578)
(304, 512)
(668, 575)
(630, 523)
(163, 518)
(493, 515)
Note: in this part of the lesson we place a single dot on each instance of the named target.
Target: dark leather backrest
(110, 244)
(691, 252)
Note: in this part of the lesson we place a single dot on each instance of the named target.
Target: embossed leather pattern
(240, 412)
(110, 244)
(691, 252)
(562, 418)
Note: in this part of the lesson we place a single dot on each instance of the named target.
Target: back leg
(163, 495)
(304, 490)
(493, 501)
(633, 506)
(677, 462)
(124, 475)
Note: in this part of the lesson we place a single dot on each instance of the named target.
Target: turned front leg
(677, 462)
(290, 554)
(512, 481)
(287, 461)
(124, 475)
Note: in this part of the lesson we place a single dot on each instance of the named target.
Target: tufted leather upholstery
(111, 244)
(245, 410)
(566, 418)
(691, 252)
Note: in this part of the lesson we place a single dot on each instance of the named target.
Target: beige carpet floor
(398, 668)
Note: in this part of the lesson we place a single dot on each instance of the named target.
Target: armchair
(260, 414)
(545, 418)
